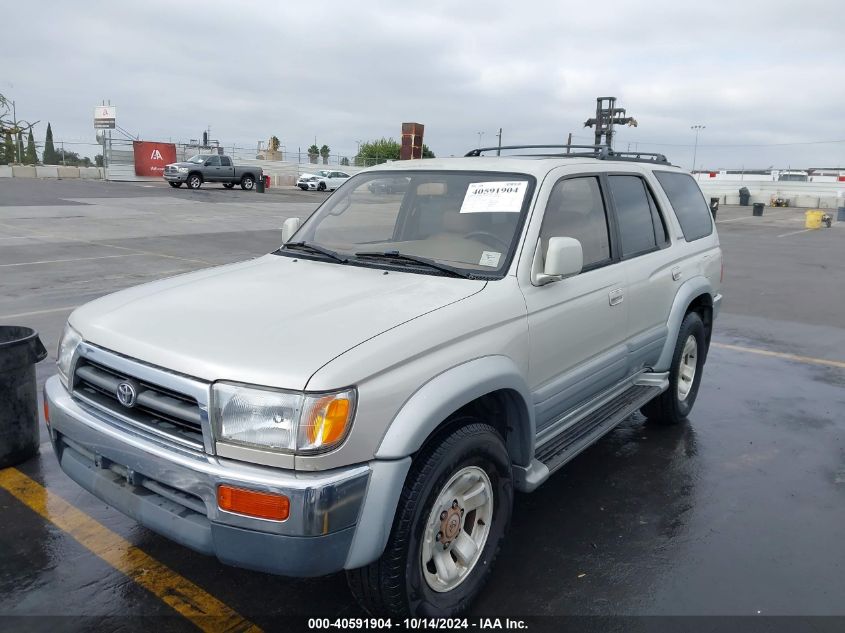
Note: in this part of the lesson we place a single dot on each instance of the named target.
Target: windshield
(465, 220)
(199, 158)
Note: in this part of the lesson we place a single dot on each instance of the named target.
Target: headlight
(182, 170)
(67, 347)
(279, 420)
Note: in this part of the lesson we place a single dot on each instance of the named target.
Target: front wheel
(321, 186)
(674, 404)
(247, 183)
(194, 181)
(451, 519)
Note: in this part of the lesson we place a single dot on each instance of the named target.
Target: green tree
(344, 161)
(383, 150)
(324, 152)
(31, 156)
(19, 151)
(9, 149)
(313, 153)
(71, 159)
(274, 144)
(98, 160)
(49, 155)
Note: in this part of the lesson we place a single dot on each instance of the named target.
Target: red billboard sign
(151, 157)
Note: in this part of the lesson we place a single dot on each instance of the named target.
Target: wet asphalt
(740, 511)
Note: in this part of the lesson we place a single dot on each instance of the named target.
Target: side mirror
(290, 227)
(564, 258)
(207, 163)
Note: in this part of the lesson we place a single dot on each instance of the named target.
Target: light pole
(480, 134)
(697, 129)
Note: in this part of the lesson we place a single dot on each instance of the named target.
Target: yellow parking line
(795, 357)
(192, 602)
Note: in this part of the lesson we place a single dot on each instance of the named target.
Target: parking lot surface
(741, 511)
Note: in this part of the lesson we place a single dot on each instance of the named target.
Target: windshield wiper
(305, 246)
(396, 256)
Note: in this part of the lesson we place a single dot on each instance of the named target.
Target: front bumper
(176, 177)
(173, 491)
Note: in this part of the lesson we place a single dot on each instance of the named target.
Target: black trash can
(744, 196)
(259, 184)
(20, 349)
(714, 207)
(758, 208)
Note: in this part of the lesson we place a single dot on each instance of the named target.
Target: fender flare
(447, 392)
(689, 290)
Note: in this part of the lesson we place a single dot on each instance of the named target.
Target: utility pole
(697, 129)
(499, 148)
(480, 134)
(568, 143)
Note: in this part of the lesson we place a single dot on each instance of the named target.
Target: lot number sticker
(489, 258)
(494, 197)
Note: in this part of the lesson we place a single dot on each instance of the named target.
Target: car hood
(184, 164)
(270, 321)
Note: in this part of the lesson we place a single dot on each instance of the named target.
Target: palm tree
(313, 153)
(324, 152)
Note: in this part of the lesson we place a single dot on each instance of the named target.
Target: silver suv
(435, 336)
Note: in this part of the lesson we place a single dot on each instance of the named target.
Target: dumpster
(744, 196)
(813, 219)
(714, 207)
(20, 350)
(758, 208)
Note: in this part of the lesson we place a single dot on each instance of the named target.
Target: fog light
(262, 505)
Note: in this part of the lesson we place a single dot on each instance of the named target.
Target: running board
(580, 435)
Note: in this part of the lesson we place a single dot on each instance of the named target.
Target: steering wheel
(491, 239)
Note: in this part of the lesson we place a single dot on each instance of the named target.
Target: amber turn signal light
(46, 412)
(262, 505)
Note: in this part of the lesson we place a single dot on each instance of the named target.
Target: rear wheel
(194, 181)
(175, 185)
(675, 404)
(247, 183)
(321, 186)
(452, 517)
(228, 185)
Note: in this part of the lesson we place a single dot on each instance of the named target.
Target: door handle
(676, 273)
(616, 296)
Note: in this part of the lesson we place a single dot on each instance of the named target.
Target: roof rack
(601, 152)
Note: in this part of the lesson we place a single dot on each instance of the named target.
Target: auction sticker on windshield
(495, 197)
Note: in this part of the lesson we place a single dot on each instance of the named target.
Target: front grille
(157, 409)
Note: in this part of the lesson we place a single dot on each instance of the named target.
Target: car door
(649, 262)
(577, 326)
(227, 170)
(211, 173)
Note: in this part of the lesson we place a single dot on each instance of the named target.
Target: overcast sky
(754, 73)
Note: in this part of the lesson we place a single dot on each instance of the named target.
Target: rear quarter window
(688, 202)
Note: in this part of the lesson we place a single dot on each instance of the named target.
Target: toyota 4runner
(435, 336)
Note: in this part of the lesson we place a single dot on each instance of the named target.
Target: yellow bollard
(813, 219)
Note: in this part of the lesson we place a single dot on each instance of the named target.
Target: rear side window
(225, 161)
(634, 214)
(688, 202)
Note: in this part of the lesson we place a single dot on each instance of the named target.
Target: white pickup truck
(436, 336)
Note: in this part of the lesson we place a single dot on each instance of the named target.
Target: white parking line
(77, 259)
(752, 217)
(795, 232)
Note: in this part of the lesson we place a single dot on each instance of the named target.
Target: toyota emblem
(126, 394)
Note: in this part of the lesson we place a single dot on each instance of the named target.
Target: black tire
(669, 407)
(194, 181)
(228, 185)
(175, 185)
(247, 183)
(395, 585)
(321, 186)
